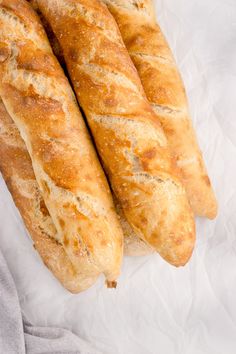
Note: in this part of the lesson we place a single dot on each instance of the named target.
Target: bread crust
(165, 91)
(128, 137)
(39, 99)
(133, 245)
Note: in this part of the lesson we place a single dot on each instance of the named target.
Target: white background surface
(156, 308)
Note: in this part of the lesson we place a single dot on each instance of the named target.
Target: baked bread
(17, 171)
(39, 99)
(128, 137)
(164, 88)
(133, 245)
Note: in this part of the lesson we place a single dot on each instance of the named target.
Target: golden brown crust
(127, 134)
(17, 171)
(51, 37)
(164, 89)
(39, 99)
(133, 245)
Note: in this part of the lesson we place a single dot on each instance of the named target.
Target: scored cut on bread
(128, 137)
(39, 99)
(164, 88)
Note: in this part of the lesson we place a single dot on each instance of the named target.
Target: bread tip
(210, 213)
(213, 212)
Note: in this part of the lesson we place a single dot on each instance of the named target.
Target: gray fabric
(17, 337)
(11, 326)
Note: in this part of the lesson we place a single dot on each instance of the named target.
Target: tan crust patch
(62, 223)
(65, 241)
(5, 52)
(149, 154)
(206, 180)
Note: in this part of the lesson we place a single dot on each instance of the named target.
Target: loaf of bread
(39, 99)
(133, 245)
(128, 137)
(17, 171)
(164, 89)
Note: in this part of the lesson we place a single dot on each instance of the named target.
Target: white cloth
(157, 308)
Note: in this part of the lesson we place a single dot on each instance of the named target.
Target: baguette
(17, 171)
(128, 137)
(164, 88)
(133, 245)
(39, 99)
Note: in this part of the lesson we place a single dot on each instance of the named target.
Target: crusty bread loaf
(128, 137)
(133, 245)
(17, 171)
(39, 99)
(164, 88)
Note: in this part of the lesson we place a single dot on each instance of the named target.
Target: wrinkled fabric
(11, 325)
(19, 337)
(156, 308)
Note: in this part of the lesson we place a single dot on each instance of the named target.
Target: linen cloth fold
(18, 336)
